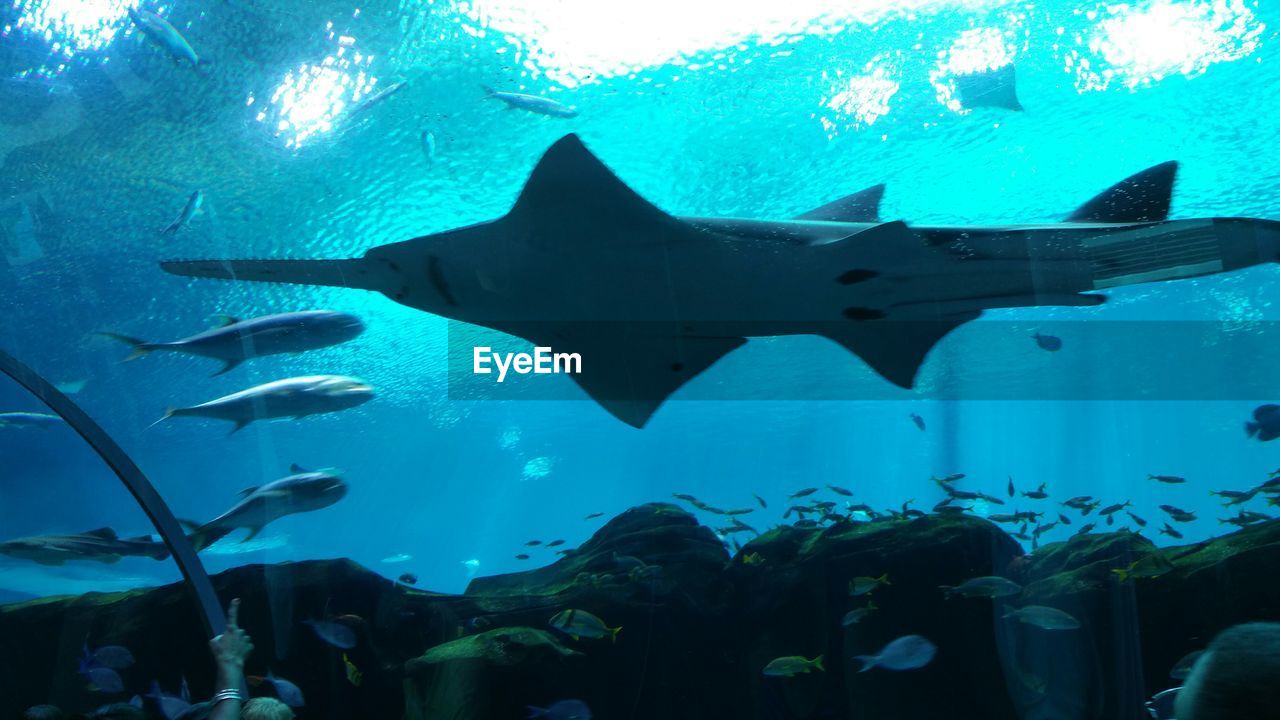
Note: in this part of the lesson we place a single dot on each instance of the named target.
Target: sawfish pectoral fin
(896, 348)
(630, 369)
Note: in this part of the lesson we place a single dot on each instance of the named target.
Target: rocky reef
(698, 626)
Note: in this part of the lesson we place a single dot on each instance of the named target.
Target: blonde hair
(266, 708)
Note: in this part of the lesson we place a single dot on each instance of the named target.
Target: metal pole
(152, 504)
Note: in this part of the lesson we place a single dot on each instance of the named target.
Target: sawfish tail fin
(206, 535)
(139, 347)
(352, 273)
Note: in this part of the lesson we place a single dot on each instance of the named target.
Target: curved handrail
(152, 504)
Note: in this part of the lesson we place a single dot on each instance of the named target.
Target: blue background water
(717, 114)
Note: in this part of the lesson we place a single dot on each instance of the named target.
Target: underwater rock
(490, 675)
(697, 627)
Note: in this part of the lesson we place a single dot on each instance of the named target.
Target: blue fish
(1264, 426)
(288, 693)
(103, 679)
(336, 634)
(909, 652)
(171, 706)
(562, 710)
(1051, 343)
(110, 656)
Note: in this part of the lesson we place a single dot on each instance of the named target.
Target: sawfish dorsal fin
(860, 207)
(1141, 197)
(227, 320)
(249, 491)
(104, 532)
(297, 469)
(573, 200)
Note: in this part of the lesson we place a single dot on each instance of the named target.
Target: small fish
(919, 421)
(1169, 479)
(1168, 530)
(194, 203)
(377, 98)
(160, 32)
(1010, 488)
(1182, 517)
(399, 558)
(593, 516)
(802, 493)
(1051, 343)
(1112, 509)
(760, 500)
(354, 676)
(840, 490)
(102, 679)
(115, 657)
(428, 142)
(1064, 519)
(909, 652)
(522, 556)
(1235, 497)
(863, 585)
(288, 693)
(562, 710)
(1150, 566)
(582, 624)
(752, 559)
(1046, 618)
(1182, 668)
(532, 103)
(987, 586)
(792, 665)
(1042, 529)
(1245, 518)
(1265, 424)
(1135, 518)
(685, 497)
(1004, 518)
(170, 706)
(857, 614)
(738, 511)
(1028, 515)
(1037, 494)
(1086, 528)
(409, 579)
(555, 543)
(29, 420)
(533, 543)
(1173, 510)
(334, 633)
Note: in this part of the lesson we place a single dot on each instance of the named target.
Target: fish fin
(226, 320)
(488, 91)
(239, 426)
(171, 229)
(896, 349)
(1251, 428)
(860, 207)
(248, 491)
(572, 200)
(868, 661)
(613, 634)
(817, 662)
(230, 365)
(631, 369)
(253, 533)
(884, 579)
(1142, 197)
(105, 533)
(139, 347)
(297, 469)
(996, 87)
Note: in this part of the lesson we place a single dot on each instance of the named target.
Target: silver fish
(159, 31)
(289, 398)
(532, 103)
(909, 652)
(236, 340)
(304, 491)
(1046, 618)
(194, 203)
(29, 420)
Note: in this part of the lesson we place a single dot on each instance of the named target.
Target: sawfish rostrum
(236, 340)
(583, 264)
(289, 398)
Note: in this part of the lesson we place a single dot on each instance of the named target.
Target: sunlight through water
(72, 25)
(1137, 46)
(862, 99)
(310, 100)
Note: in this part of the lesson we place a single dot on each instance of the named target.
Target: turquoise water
(759, 113)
